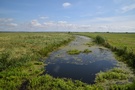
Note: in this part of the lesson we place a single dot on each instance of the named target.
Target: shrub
(99, 40)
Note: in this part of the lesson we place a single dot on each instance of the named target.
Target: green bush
(99, 40)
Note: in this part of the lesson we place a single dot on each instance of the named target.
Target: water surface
(83, 66)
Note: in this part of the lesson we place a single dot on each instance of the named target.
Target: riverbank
(26, 52)
(21, 56)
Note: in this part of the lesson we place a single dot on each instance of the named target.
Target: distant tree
(69, 32)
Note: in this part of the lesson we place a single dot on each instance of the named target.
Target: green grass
(113, 74)
(47, 82)
(21, 64)
(73, 52)
(123, 44)
(21, 56)
(119, 40)
(87, 51)
(90, 44)
(99, 40)
(76, 52)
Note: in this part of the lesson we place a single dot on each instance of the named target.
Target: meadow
(119, 40)
(21, 56)
(22, 64)
(122, 44)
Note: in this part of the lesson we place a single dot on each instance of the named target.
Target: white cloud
(117, 24)
(101, 27)
(13, 24)
(6, 20)
(35, 23)
(113, 19)
(128, 8)
(7, 24)
(66, 4)
(49, 23)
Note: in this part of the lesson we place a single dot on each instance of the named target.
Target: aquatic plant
(87, 51)
(20, 61)
(120, 43)
(90, 44)
(73, 52)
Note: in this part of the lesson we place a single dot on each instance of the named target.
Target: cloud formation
(66, 4)
(5, 20)
(13, 24)
(116, 24)
(7, 24)
(65, 26)
(35, 23)
(128, 8)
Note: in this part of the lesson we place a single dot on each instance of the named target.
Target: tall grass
(21, 54)
(99, 40)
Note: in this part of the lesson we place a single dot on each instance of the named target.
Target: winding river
(83, 66)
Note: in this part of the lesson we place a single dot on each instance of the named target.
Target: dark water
(81, 67)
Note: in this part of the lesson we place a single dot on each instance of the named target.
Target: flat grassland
(22, 66)
(21, 56)
(119, 40)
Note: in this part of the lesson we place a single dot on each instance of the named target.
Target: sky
(67, 15)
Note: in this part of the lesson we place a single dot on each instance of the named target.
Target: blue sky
(67, 15)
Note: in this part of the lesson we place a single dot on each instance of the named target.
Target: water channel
(83, 66)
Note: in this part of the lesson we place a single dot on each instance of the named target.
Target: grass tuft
(87, 51)
(74, 52)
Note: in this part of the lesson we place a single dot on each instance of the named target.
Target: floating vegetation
(90, 44)
(73, 52)
(87, 51)
(21, 64)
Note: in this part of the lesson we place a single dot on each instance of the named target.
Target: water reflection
(80, 67)
(85, 73)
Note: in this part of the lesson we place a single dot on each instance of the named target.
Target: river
(83, 66)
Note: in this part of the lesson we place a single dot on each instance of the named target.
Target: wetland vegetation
(73, 52)
(22, 57)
